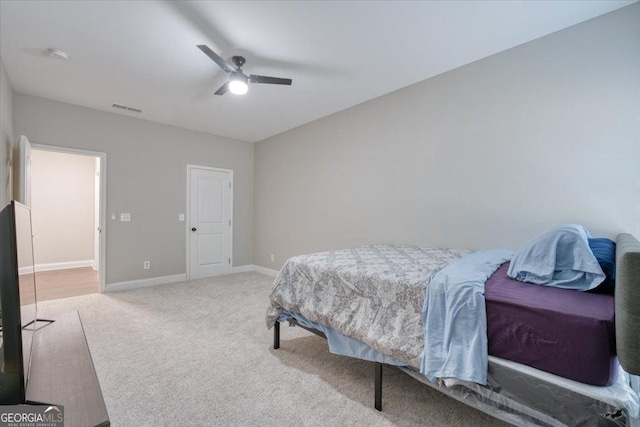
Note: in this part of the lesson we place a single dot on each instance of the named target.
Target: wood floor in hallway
(66, 283)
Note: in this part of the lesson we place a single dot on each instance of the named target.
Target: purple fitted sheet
(565, 332)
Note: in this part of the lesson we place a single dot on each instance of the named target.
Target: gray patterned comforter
(373, 294)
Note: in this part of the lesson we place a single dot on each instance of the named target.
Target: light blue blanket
(455, 320)
(341, 344)
(561, 258)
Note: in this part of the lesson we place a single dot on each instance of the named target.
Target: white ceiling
(339, 54)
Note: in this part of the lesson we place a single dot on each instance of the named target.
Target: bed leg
(378, 386)
(276, 335)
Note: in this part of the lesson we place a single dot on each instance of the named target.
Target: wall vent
(126, 108)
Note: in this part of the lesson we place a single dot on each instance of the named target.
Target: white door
(25, 171)
(210, 207)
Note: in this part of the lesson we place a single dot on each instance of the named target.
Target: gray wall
(6, 136)
(486, 155)
(146, 176)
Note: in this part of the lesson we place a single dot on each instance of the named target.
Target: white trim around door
(188, 225)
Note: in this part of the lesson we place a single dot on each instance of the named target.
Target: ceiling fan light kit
(238, 82)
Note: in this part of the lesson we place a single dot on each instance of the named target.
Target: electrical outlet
(272, 258)
(181, 217)
(146, 265)
(126, 217)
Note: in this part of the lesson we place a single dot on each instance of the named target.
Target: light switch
(181, 217)
(125, 217)
(114, 216)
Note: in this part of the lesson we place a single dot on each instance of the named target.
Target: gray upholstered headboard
(628, 302)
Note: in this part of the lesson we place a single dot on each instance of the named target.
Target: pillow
(605, 252)
(560, 258)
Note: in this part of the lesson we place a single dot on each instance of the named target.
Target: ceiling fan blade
(223, 89)
(216, 58)
(269, 80)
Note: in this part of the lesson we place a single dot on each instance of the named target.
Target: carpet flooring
(198, 353)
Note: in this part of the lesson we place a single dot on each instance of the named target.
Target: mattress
(564, 332)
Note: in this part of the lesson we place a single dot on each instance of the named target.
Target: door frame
(187, 227)
(24, 171)
(102, 267)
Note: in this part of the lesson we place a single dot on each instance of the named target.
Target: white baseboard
(256, 268)
(143, 283)
(58, 266)
(64, 265)
(242, 268)
(267, 271)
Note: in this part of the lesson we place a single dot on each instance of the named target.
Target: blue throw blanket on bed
(455, 320)
(341, 344)
(561, 258)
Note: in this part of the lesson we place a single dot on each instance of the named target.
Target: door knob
(193, 229)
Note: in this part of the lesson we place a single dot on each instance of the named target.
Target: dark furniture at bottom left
(62, 373)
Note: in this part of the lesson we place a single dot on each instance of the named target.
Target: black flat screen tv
(17, 302)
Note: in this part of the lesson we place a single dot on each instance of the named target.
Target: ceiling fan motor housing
(238, 75)
(239, 61)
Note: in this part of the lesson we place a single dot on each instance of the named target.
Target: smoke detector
(57, 54)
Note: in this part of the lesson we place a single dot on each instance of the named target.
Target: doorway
(209, 221)
(67, 199)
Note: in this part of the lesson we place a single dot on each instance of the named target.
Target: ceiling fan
(238, 81)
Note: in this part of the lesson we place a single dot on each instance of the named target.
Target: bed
(370, 303)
